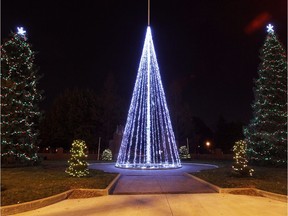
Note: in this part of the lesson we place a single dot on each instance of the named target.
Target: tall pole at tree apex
(148, 12)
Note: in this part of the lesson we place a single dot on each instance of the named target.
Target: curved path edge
(32, 205)
(257, 192)
(70, 194)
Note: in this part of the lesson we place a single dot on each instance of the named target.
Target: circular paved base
(186, 168)
(157, 181)
(148, 166)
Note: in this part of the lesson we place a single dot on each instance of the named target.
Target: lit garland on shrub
(183, 153)
(19, 98)
(107, 155)
(266, 135)
(148, 140)
(78, 167)
(240, 166)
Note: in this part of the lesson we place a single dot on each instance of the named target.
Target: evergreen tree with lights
(266, 135)
(240, 167)
(20, 96)
(78, 167)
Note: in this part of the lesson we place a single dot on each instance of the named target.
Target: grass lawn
(264, 178)
(24, 184)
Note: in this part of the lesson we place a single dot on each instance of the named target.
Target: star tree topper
(270, 28)
(21, 32)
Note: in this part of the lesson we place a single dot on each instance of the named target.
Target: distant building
(115, 143)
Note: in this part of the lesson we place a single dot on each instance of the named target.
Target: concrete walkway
(137, 181)
(161, 184)
(169, 188)
(165, 205)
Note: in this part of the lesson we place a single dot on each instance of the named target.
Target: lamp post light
(208, 145)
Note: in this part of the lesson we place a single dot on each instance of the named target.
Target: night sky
(208, 48)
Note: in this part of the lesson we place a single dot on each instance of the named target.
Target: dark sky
(208, 47)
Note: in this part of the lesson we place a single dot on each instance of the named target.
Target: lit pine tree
(78, 167)
(20, 96)
(266, 135)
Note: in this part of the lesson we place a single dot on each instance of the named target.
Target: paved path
(197, 204)
(130, 184)
(165, 205)
(171, 181)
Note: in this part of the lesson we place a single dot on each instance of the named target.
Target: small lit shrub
(240, 166)
(107, 155)
(183, 153)
(78, 167)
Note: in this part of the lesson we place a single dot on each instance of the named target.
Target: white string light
(148, 140)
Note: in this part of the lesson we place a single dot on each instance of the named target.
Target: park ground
(50, 178)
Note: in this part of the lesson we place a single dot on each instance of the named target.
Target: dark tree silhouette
(227, 133)
(74, 115)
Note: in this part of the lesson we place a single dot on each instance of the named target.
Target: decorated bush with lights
(183, 152)
(20, 96)
(78, 167)
(266, 135)
(107, 155)
(240, 166)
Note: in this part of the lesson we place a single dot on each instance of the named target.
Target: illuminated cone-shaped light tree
(19, 101)
(78, 167)
(266, 135)
(148, 139)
